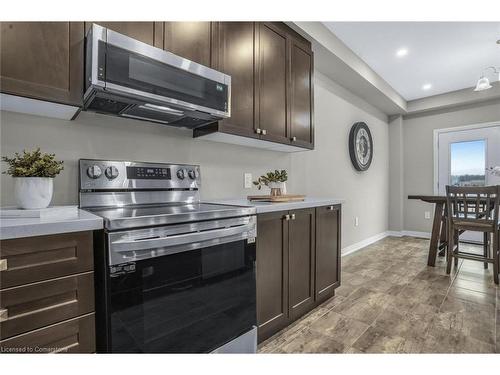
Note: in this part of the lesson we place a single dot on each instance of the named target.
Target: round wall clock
(360, 146)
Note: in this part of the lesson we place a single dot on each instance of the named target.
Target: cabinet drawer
(32, 306)
(71, 336)
(32, 259)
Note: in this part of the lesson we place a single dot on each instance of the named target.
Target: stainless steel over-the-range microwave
(129, 78)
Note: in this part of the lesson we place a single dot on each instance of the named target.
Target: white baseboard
(411, 233)
(361, 244)
(390, 233)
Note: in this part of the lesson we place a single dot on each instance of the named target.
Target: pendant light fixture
(483, 83)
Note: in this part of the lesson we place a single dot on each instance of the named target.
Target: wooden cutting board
(276, 198)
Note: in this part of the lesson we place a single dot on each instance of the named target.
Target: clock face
(360, 146)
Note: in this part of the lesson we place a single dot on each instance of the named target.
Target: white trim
(361, 244)
(394, 233)
(19, 104)
(411, 233)
(436, 133)
(390, 233)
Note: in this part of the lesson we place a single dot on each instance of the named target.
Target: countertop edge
(262, 208)
(32, 227)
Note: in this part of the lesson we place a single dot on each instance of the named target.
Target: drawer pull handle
(258, 131)
(330, 208)
(294, 139)
(292, 217)
(3, 264)
(286, 217)
(4, 314)
(264, 131)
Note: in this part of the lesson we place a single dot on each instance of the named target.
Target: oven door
(193, 299)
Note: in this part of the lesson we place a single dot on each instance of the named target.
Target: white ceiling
(448, 55)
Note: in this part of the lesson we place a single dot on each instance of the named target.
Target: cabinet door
(233, 54)
(32, 259)
(42, 60)
(191, 40)
(147, 32)
(271, 105)
(327, 251)
(301, 261)
(272, 274)
(71, 336)
(301, 95)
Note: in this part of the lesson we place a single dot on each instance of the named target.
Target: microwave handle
(181, 239)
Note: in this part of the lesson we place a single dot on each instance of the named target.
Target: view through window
(468, 162)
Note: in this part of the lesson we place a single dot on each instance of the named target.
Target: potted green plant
(274, 181)
(33, 174)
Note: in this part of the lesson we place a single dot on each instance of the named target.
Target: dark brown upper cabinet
(301, 94)
(42, 60)
(327, 251)
(271, 69)
(146, 32)
(271, 105)
(233, 54)
(301, 251)
(191, 40)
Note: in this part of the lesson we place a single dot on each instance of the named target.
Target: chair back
(471, 205)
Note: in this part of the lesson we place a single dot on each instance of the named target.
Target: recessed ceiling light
(427, 86)
(402, 52)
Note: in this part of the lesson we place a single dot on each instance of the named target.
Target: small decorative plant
(273, 180)
(33, 174)
(33, 164)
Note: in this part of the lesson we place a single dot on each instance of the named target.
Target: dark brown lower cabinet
(298, 264)
(272, 273)
(47, 294)
(327, 251)
(301, 250)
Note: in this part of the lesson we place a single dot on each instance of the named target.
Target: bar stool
(473, 209)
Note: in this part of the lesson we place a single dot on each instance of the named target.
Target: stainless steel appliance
(173, 274)
(129, 78)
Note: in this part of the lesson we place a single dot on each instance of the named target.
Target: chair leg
(486, 246)
(449, 250)
(457, 241)
(496, 256)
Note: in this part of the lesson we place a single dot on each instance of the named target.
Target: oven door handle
(181, 239)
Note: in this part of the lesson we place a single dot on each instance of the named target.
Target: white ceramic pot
(33, 192)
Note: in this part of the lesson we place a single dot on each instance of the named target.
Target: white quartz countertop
(263, 207)
(29, 227)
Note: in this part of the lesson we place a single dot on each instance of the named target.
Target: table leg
(436, 225)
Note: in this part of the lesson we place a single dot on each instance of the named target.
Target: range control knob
(94, 171)
(192, 174)
(111, 172)
(181, 174)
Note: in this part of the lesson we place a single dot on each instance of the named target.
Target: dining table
(439, 233)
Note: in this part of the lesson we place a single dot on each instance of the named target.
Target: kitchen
(161, 169)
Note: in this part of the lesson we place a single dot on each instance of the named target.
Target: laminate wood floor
(390, 301)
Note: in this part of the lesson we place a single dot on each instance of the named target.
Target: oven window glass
(135, 71)
(189, 302)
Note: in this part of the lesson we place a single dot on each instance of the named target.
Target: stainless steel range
(173, 275)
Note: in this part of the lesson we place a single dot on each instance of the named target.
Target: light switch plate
(356, 221)
(248, 180)
(427, 214)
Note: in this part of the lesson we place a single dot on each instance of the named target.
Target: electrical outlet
(427, 214)
(356, 221)
(248, 180)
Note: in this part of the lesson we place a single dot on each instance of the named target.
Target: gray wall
(396, 181)
(327, 171)
(418, 156)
